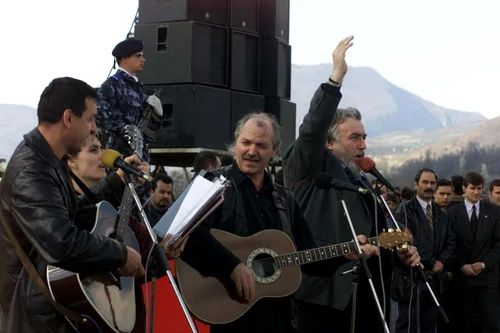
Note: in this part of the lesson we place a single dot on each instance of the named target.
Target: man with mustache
(162, 197)
(253, 203)
(435, 241)
(332, 140)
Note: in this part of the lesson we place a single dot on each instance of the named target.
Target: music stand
(160, 256)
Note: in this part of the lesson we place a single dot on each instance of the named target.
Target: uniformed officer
(122, 99)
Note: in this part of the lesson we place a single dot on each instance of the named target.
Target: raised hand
(338, 57)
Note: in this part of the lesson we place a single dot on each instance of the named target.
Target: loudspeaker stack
(216, 60)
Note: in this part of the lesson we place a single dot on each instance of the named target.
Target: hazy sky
(446, 51)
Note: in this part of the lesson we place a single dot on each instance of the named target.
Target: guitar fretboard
(317, 254)
(124, 212)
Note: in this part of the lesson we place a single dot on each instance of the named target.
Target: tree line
(483, 160)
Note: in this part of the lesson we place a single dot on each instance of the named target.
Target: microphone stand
(363, 266)
(355, 279)
(160, 256)
(424, 277)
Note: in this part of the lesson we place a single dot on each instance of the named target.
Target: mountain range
(398, 122)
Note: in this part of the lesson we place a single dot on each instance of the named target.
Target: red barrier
(169, 316)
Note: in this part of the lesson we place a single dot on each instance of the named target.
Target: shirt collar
(132, 76)
(357, 177)
(423, 203)
(239, 177)
(468, 206)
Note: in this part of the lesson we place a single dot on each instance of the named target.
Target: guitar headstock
(133, 136)
(395, 238)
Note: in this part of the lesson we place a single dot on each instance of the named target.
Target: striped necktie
(428, 213)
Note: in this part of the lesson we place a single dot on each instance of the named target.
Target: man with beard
(332, 140)
(253, 203)
(435, 241)
(38, 203)
(162, 198)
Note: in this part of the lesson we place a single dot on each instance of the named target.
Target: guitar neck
(124, 212)
(318, 254)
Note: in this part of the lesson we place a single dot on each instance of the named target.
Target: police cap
(127, 47)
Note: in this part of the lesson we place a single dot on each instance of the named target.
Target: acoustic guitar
(272, 256)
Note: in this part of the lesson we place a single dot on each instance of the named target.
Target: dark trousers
(486, 301)
(320, 318)
(428, 315)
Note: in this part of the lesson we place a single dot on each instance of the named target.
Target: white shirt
(424, 204)
(468, 207)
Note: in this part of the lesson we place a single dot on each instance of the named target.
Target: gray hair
(340, 116)
(260, 118)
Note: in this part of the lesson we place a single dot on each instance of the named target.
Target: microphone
(368, 165)
(113, 160)
(325, 181)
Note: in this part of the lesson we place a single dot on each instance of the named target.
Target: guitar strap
(32, 271)
(88, 193)
(279, 202)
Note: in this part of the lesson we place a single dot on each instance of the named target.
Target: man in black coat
(250, 207)
(435, 241)
(477, 228)
(333, 141)
(38, 201)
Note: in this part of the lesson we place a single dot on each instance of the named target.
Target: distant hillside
(393, 150)
(385, 107)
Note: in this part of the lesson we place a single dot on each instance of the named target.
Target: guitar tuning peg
(391, 230)
(383, 230)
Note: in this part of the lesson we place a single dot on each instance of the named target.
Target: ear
(68, 118)
(415, 185)
(464, 188)
(72, 163)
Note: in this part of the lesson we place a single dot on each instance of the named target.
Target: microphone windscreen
(323, 181)
(366, 164)
(109, 157)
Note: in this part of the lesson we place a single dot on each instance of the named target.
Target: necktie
(473, 221)
(428, 213)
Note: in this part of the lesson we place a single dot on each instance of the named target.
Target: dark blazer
(306, 157)
(485, 248)
(38, 201)
(432, 245)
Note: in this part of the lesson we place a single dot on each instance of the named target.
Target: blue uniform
(122, 101)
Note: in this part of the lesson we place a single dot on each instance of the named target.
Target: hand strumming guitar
(133, 265)
(244, 280)
(136, 162)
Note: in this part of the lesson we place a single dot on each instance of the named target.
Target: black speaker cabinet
(286, 113)
(193, 116)
(184, 52)
(244, 15)
(274, 19)
(275, 68)
(244, 61)
(242, 104)
(161, 11)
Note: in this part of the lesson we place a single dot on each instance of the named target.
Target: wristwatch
(483, 266)
(333, 83)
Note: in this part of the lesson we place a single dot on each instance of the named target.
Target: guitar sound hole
(264, 265)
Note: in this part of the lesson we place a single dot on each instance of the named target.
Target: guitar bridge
(114, 278)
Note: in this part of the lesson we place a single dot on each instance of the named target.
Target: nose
(362, 145)
(252, 150)
(93, 127)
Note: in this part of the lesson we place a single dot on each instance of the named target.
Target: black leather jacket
(38, 201)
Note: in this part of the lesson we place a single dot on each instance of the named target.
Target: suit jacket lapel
(424, 223)
(483, 220)
(464, 223)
